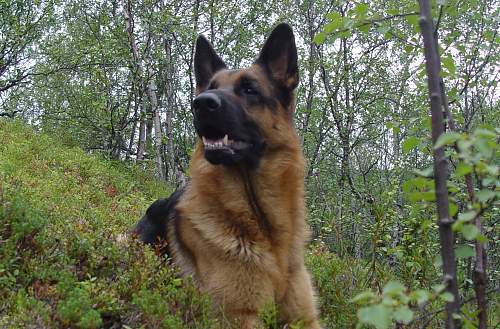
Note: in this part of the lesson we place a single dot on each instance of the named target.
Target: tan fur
(240, 264)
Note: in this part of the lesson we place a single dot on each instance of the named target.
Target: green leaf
(330, 27)
(393, 288)
(403, 314)
(449, 64)
(345, 34)
(334, 17)
(485, 133)
(464, 251)
(481, 238)
(447, 139)
(335, 23)
(408, 48)
(420, 296)
(438, 288)
(383, 29)
(412, 20)
(485, 195)
(319, 38)
(463, 169)
(376, 315)
(361, 9)
(447, 297)
(438, 261)
(410, 143)
(467, 216)
(427, 172)
(452, 208)
(470, 231)
(464, 145)
(422, 196)
(429, 196)
(365, 28)
(363, 297)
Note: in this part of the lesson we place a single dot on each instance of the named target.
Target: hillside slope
(64, 263)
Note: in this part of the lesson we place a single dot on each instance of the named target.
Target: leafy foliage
(66, 68)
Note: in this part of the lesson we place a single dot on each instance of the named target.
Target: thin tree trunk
(211, 20)
(134, 126)
(310, 71)
(480, 273)
(138, 74)
(192, 89)
(170, 104)
(158, 139)
(149, 122)
(141, 144)
(447, 239)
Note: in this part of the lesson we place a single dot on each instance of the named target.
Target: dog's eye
(249, 90)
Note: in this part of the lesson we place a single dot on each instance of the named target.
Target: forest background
(115, 78)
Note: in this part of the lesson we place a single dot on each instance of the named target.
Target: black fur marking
(229, 119)
(279, 59)
(153, 226)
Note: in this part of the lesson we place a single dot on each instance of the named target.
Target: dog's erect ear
(206, 63)
(279, 57)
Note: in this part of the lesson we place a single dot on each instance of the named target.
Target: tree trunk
(137, 76)
(141, 144)
(480, 265)
(432, 63)
(170, 105)
(158, 138)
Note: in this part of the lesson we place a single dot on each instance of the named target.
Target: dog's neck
(264, 223)
(278, 180)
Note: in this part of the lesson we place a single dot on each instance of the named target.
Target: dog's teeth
(204, 140)
(226, 140)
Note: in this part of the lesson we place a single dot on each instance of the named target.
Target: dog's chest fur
(218, 223)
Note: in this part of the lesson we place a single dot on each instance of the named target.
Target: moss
(63, 261)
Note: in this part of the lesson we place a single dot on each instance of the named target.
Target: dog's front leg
(244, 319)
(239, 293)
(297, 305)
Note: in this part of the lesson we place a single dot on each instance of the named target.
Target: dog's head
(240, 114)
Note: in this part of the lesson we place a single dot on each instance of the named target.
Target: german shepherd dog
(238, 227)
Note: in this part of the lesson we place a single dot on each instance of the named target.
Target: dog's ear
(279, 57)
(206, 63)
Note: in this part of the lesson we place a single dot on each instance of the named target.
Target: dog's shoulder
(152, 227)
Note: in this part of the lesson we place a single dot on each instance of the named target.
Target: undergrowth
(65, 260)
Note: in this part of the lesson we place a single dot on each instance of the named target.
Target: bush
(337, 281)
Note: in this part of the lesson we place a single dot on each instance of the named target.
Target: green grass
(63, 262)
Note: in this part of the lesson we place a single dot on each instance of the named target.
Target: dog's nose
(207, 101)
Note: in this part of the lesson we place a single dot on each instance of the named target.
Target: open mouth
(224, 144)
